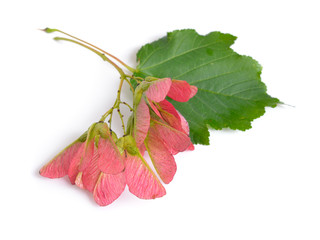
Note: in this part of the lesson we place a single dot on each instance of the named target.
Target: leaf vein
(179, 55)
(210, 107)
(147, 58)
(234, 84)
(245, 90)
(216, 76)
(226, 95)
(179, 45)
(213, 61)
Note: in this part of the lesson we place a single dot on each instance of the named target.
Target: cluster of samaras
(103, 164)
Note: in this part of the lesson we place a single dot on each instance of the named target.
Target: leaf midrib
(175, 56)
(205, 64)
(227, 95)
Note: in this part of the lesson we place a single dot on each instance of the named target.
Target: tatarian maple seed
(228, 93)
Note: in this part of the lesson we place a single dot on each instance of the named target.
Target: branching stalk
(123, 77)
(124, 103)
(104, 57)
(49, 30)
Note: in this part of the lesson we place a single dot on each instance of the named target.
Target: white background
(260, 184)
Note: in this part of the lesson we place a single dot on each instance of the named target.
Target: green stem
(138, 79)
(104, 116)
(128, 81)
(122, 122)
(49, 30)
(131, 109)
(104, 57)
(123, 77)
(116, 105)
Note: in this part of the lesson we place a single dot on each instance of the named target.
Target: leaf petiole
(138, 79)
(50, 30)
(103, 56)
(123, 78)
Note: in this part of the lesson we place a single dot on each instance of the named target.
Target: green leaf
(230, 91)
